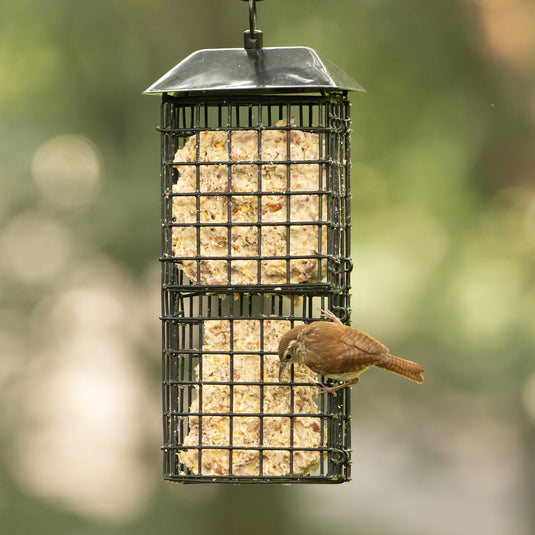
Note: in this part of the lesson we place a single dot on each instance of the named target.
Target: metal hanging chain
(252, 38)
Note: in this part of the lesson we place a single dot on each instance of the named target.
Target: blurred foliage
(443, 242)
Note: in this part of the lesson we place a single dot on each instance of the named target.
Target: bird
(340, 352)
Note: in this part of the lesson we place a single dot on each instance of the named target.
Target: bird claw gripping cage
(255, 148)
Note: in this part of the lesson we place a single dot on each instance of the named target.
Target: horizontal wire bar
(254, 126)
(260, 163)
(224, 99)
(202, 126)
(315, 256)
(189, 384)
(252, 317)
(181, 259)
(233, 383)
(264, 480)
(197, 352)
(325, 289)
(301, 289)
(183, 414)
(188, 131)
(260, 193)
(174, 447)
(261, 224)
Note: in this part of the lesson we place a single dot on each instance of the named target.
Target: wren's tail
(407, 368)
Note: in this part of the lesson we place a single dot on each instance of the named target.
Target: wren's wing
(355, 339)
(360, 350)
(333, 349)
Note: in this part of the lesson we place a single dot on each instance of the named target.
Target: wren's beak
(282, 369)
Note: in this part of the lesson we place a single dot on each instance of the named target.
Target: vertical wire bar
(292, 418)
(200, 394)
(334, 132)
(322, 431)
(290, 450)
(320, 197)
(231, 395)
(180, 361)
(288, 228)
(347, 435)
(228, 197)
(259, 190)
(347, 167)
(326, 183)
(347, 156)
(195, 111)
(164, 122)
(261, 395)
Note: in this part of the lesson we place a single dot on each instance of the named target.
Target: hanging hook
(252, 17)
(252, 38)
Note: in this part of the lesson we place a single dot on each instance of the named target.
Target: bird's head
(291, 349)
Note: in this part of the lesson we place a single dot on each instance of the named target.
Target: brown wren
(339, 352)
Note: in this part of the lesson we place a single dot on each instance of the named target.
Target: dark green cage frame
(226, 96)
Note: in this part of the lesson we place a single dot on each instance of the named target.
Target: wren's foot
(324, 389)
(327, 314)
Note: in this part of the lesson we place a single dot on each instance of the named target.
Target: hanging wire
(252, 17)
(252, 37)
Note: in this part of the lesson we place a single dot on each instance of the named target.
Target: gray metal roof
(237, 69)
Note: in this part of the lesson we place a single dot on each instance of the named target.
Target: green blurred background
(443, 243)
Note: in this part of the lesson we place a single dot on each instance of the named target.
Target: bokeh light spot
(66, 170)
(35, 248)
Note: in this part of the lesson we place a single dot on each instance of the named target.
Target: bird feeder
(255, 163)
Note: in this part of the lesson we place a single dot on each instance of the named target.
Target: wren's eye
(287, 356)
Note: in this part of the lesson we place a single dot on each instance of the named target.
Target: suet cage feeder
(255, 164)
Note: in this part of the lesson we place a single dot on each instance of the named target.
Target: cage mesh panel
(221, 419)
(189, 394)
(232, 221)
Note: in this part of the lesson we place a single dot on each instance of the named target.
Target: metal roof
(265, 69)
